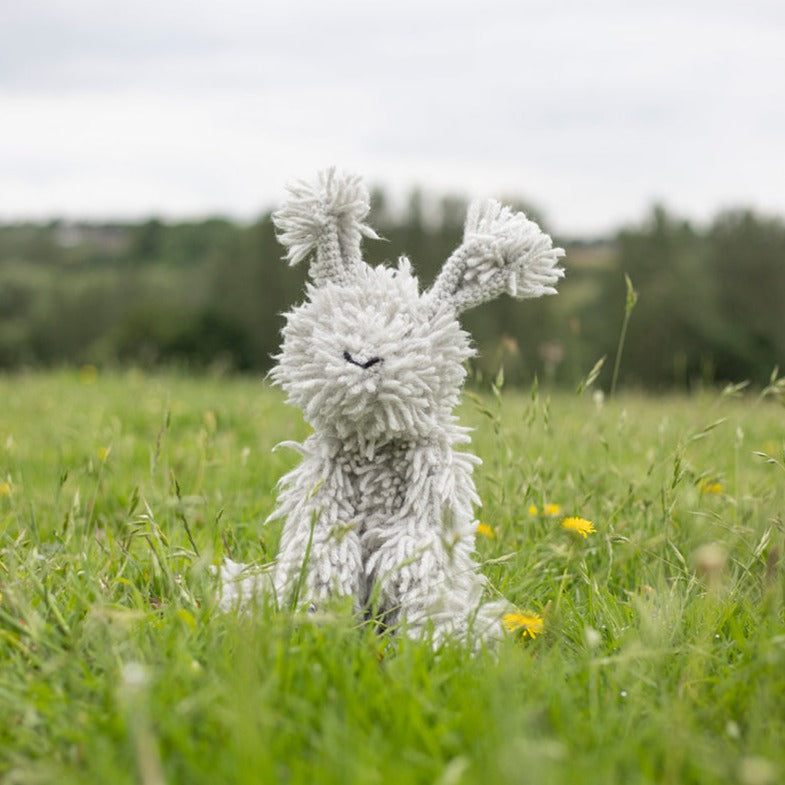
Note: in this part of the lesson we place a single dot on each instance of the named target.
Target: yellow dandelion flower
(551, 510)
(103, 453)
(530, 623)
(579, 525)
(485, 530)
(533, 509)
(713, 488)
(5, 489)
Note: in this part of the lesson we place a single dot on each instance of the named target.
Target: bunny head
(369, 358)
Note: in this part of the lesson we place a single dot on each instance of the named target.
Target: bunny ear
(324, 219)
(502, 251)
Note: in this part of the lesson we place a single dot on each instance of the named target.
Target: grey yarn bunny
(381, 506)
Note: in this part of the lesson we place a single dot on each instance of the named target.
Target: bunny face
(373, 359)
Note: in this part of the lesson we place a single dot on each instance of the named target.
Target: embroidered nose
(367, 364)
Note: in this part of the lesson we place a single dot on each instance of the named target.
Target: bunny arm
(319, 555)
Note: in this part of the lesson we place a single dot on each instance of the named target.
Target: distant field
(662, 655)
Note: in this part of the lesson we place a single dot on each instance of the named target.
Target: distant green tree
(748, 265)
(212, 292)
(672, 336)
(147, 241)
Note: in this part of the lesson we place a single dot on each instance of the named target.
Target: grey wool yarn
(380, 508)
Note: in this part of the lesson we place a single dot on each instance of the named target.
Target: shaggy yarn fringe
(325, 218)
(502, 251)
(381, 506)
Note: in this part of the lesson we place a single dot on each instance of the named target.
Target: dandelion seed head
(592, 636)
(134, 675)
(709, 559)
(732, 729)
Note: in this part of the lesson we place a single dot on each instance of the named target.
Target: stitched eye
(364, 364)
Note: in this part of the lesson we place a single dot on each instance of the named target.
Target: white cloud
(590, 110)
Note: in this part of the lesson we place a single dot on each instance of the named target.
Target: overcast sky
(591, 110)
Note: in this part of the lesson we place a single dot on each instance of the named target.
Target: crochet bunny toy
(380, 509)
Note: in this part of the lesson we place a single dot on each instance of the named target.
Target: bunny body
(382, 495)
(381, 507)
(399, 547)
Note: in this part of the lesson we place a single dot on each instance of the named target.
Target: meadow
(660, 657)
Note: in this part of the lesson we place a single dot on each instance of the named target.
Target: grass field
(662, 655)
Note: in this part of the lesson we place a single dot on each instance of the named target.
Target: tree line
(210, 294)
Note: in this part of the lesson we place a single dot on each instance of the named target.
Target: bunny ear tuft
(502, 251)
(324, 219)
